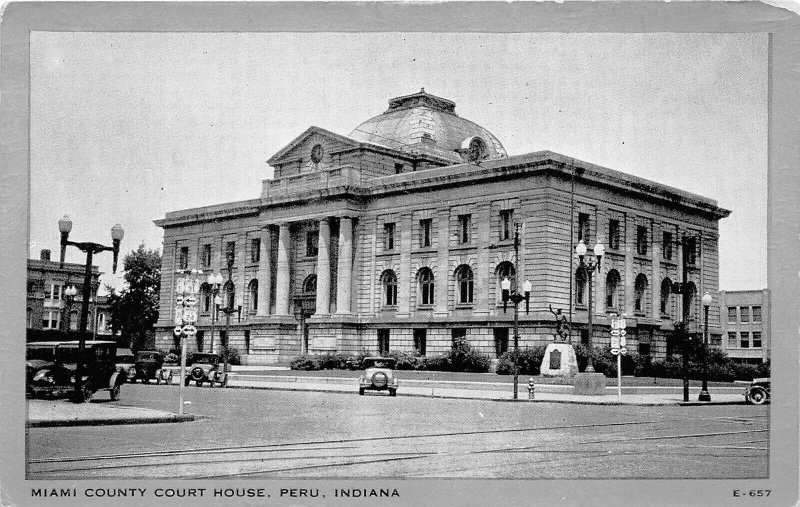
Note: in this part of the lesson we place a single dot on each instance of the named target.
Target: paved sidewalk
(63, 412)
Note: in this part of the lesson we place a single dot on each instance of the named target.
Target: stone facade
(745, 324)
(361, 244)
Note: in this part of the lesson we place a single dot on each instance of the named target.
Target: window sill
(389, 308)
(465, 306)
(425, 307)
(463, 246)
(387, 253)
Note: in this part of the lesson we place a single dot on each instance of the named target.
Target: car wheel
(361, 391)
(84, 395)
(758, 395)
(224, 382)
(145, 380)
(392, 392)
(199, 382)
(186, 382)
(380, 380)
(169, 378)
(115, 392)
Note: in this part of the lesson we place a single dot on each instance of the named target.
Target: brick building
(397, 236)
(745, 324)
(47, 309)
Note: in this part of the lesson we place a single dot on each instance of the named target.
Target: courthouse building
(397, 236)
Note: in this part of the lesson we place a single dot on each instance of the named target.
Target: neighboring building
(397, 237)
(47, 309)
(745, 324)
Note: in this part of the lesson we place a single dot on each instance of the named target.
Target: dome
(427, 124)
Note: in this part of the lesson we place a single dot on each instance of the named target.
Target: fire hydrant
(530, 388)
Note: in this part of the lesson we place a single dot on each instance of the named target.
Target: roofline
(208, 213)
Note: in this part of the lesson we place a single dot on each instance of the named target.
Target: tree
(134, 310)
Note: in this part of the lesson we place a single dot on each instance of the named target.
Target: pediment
(302, 146)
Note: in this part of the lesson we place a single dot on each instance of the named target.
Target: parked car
(757, 392)
(38, 355)
(126, 363)
(205, 368)
(99, 372)
(378, 375)
(149, 365)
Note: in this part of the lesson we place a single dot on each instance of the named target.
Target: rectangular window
(644, 349)
(756, 314)
(420, 339)
(463, 228)
(183, 260)
(613, 234)
(51, 319)
(666, 245)
(246, 341)
(506, 219)
(500, 341)
(388, 236)
(732, 340)
(312, 243)
(731, 314)
(756, 339)
(425, 232)
(206, 256)
(745, 340)
(230, 252)
(583, 227)
(641, 240)
(255, 249)
(55, 292)
(383, 342)
(691, 250)
(398, 168)
(744, 313)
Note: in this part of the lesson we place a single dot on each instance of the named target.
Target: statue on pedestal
(562, 326)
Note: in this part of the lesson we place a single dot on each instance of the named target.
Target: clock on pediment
(316, 153)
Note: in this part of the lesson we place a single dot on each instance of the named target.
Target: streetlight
(215, 281)
(516, 298)
(69, 297)
(704, 395)
(117, 233)
(228, 309)
(588, 269)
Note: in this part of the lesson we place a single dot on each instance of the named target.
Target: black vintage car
(99, 372)
(204, 367)
(149, 365)
(757, 392)
(38, 355)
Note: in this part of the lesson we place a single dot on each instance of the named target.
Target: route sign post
(618, 348)
(186, 290)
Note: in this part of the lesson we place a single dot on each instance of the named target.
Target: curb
(175, 418)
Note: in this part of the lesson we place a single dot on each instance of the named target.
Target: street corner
(54, 413)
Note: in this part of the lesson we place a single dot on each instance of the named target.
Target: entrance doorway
(304, 307)
(383, 342)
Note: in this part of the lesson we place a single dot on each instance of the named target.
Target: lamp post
(117, 233)
(704, 395)
(215, 281)
(228, 309)
(589, 266)
(69, 297)
(516, 298)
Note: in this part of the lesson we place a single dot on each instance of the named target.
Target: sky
(128, 126)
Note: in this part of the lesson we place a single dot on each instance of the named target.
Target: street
(250, 433)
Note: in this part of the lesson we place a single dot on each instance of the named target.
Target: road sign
(195, 286)
(180, 285)
(622, 324)
(190, 300)
(614, 341)
(623, 351)
(178, 330)
(615, 332)
(615, 351)
(179, 299)
(178, 316)
(190, 330)
(189, 315)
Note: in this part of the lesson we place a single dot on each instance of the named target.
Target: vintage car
(126, 364)
(204, 367)
(149, 365)
(99, 372)
(38, 355)
(378, 375)
(757, 392)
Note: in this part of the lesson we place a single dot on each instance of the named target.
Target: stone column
(405, 277)
(654, 288)
(284, 271)
(626, 304)
(264, 273)
(442, 275)
(345, 266)
(324, 268)
(679, 297)
(482, 278)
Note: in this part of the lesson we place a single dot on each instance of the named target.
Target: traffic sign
(190, 315)
(179, 299)
(622, 324)
(623, 351)
(616, 332)
(615, 351)
(190, 300)
(614, 342)
(178, 316)
(195, 286)
(622, 332)
(180, 285)
(190, 330)
(178, 330)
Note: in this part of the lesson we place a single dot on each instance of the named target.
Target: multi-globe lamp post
(215, 280)
(117, 233)
(516, 298)
(69, 297)
(589, 266)
(704, 394)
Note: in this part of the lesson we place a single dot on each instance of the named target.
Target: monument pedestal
(589, 384)
(559, 361)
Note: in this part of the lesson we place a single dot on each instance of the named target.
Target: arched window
(252, 289)
(666, 289)
(205, 296)
(310, 284)
(612, 289)
(101, 322)
(389, 282)
(464, 282)
(73, 320)
(506, 270)
(640, 292)
(230, 294)
(580, 286)
(425, 279)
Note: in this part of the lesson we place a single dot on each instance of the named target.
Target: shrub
(529, 361)
(232, 354)
(435, 363)
(407, 360)
(463, 358)
(305, 363)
